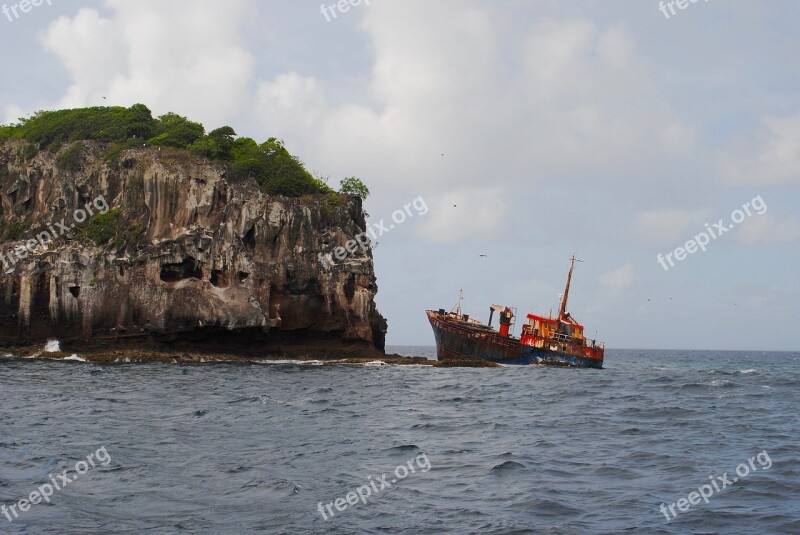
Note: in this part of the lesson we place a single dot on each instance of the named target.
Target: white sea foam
(52, 346)
(286, 361)
(721, 382)
(76, 358)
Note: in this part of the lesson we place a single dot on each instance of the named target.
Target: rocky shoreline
(185, 357)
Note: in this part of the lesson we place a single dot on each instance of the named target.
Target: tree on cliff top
(172, 130)
(354, 186)
(276, 170)
(273, 167)
(217, 145)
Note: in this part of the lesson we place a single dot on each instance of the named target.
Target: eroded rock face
(196, 259)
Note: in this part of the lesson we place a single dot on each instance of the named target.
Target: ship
(557, 341)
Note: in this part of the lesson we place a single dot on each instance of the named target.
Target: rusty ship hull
(463, 340)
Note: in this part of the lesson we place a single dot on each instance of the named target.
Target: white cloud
(507, 110)
(13, 113)
(441, 83)
(771, 156)
(668, 226)
(619, 279)
(766, 229)
(291, 99)
(183, 55)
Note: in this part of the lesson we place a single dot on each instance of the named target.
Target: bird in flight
(482, 256)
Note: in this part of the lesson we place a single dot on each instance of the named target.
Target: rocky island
(120, 231)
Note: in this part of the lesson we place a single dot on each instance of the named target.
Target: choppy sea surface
(264, 448)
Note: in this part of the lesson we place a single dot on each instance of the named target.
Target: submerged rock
(180, 257)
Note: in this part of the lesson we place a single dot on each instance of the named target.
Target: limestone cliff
(184, 257)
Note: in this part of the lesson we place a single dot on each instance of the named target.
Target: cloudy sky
(532, 129)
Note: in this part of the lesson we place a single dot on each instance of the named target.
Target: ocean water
(262, 448)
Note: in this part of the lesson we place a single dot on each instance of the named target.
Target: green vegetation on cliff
(353, 186)
(270, 164)
(100, 228)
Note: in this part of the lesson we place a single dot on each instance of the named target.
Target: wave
(404, 447)
(508, 466)
(290, 361)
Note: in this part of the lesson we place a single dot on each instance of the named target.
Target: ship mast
(457, 308)
(563, 311)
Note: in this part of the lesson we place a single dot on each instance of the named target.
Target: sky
(529, 130)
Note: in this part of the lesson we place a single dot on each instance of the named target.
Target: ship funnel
(505, 321)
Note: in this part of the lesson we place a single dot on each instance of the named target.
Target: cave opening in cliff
(350, 287)
(188, 269)
(75, 291)
(249, 239)
(220, 279)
